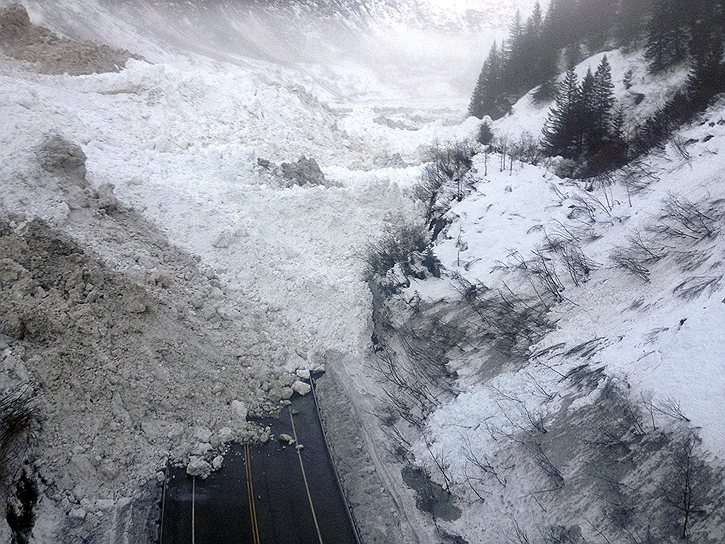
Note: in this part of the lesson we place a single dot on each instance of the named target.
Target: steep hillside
(553, 361)
(410, 48)
(208, 200)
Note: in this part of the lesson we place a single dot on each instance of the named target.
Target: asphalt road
(268, 494)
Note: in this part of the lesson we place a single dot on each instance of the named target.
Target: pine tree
(596, 18)
(486, 96)
(707, 26)
(618, 139)
(707, 76)
(477, 107)
(535, 21)
(667, 39)
(560, 132)
(627, 80)
(515, 30)
(603, 102)
(585, 120)
(631, 21)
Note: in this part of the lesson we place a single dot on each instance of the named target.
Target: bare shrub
(396, 247)
(692, 288)
(684, 219)
(692, 259)
(415, 376)
(559, 534)
(505, 315)
(631, 262)
(545, 464)
(600, 195)
(407, 395)
(484, 466)
(441, 461)
(518, 535)
(638, 255)
(529, 422)
(445, 178)
(582, 208)
(679, 144)
(637, 176)
(687, 488)
(526, 150)
(567, 247)
(539, 271)
(427, 346)
(671, 407)
(18, 411)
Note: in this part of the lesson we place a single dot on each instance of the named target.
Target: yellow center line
(193, 510)
(250, 494)
(304, 476)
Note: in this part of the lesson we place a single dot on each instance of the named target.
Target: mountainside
(552, 360)
(431, 40)
(210, 200)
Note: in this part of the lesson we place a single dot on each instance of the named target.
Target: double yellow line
(250, 494)
(304, 476)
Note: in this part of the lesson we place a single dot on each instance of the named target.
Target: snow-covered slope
(582, 346)
(427, 48)
(645, 93)
(184, 203)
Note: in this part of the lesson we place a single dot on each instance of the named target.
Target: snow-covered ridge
(591, 356)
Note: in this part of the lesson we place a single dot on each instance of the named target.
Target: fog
(373, 45)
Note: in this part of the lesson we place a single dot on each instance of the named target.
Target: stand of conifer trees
(670, 31)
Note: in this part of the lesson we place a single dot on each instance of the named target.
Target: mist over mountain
(381, 36)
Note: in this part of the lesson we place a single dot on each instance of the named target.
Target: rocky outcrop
(51, 54)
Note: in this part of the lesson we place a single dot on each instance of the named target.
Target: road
(264, 494)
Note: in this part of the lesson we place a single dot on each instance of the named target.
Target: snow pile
(140, 353)
(162, 282)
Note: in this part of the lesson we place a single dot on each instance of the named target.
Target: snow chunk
(301, 388)
(217, 462)
(239, 409)
(198, 467)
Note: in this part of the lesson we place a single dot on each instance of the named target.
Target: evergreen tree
(618, 139)
(477, 107)
(603, 106)
(707, 76)
(486, 96)
(631, 21)
(627, 80)
(561, 21)
(560, 132)
(537, 18)
(585, 123)
(668, 37)
(596, 19)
